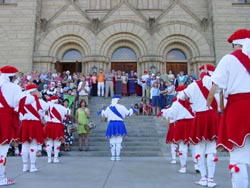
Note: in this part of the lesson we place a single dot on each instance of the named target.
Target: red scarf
(205, 93)
(53, 113)
(244, 59)
(34, 111)
(186, 105)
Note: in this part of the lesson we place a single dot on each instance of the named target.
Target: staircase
(144, 137)
(146, 134)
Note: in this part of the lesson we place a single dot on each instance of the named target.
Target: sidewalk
(100, 172)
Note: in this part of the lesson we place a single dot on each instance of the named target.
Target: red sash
(55, 114)
(244, 60)
(186, 105)
(205, 93)
(30, 107)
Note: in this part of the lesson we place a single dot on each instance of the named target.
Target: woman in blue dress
(131, 84)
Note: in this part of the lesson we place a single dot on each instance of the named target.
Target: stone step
(142, 139)
(106, 153)
(132, 139)
(126, 147)
(106, 142)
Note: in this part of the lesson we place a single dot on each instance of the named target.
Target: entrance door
(176, 67)
(124, 66)
(72, 67)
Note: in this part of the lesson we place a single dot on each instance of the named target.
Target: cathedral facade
(89, 35)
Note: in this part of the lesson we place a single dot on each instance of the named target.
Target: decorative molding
(131, 7)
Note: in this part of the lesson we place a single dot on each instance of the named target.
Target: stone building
(87, 35)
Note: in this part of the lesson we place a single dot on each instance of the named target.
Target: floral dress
(67, 134)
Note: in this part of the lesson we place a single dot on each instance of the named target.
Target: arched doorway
(176, 61)
(71, 60)
(124, 59)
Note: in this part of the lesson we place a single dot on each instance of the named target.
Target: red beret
(9, 70)
(180, 88)
(145, 71)
(31, 87)
(239, 34)
(207, 67)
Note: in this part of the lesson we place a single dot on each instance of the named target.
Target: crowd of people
(157, 89)
(36, 109)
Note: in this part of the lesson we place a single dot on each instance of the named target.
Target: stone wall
(17, 31)
(228, 16)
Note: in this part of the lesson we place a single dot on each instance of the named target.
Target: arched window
(72, 54)
(176, 54)
(124, 53)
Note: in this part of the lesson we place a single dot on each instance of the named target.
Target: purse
(91, 125)
(72, 128)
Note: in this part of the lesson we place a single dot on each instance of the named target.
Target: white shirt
(197, 99)
(82, 92)
(13, 94)
(107, 113)
(231, 76)
(61, 110)
(29, 116)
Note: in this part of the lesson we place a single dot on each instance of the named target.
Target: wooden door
(72, 67)
(176, 67)
(124, 66)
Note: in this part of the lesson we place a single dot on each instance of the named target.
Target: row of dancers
(213, 114)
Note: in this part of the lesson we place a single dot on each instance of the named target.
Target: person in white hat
(232, 75)
(10, 95)
(54, 129)
(31, 129)
(115, 114)
(204, 128)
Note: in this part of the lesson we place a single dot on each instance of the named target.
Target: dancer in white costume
(54, 130)
(182, 116)
(31, 129)
(232, 75)
(204, 128)
(115, 114)
(10, 95)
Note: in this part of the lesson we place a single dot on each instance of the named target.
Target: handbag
(72, 128)
(91, 125)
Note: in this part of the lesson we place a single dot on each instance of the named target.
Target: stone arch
(178, 42)
(181, 33)
(123, 32)
(59, 47)
(119, 44)
(62, 33)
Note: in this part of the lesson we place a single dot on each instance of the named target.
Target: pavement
(101, 172)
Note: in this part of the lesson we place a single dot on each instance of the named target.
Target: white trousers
(239, 162)
(3, 154)
(115, 145)
(100, 89)
(206, 148)
(174, 148)
(29, 150)
(183, 148)
(50, 144)
(143, 86)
